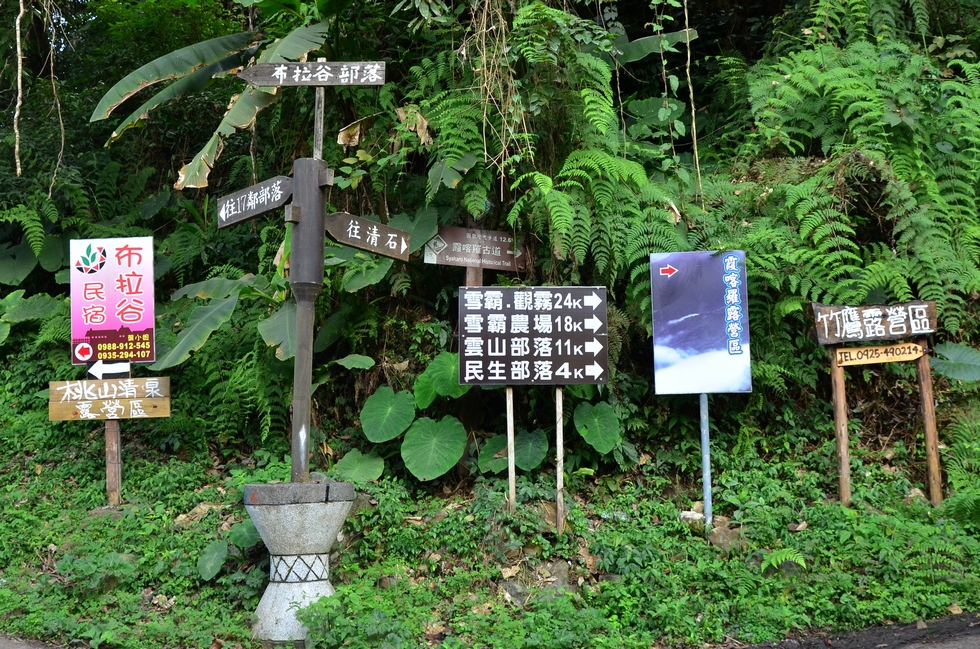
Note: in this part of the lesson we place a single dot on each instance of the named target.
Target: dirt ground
(954, 632)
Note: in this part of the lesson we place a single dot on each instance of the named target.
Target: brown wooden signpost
(254, 201)
(365, 234)
(850, 324)
(470, 247)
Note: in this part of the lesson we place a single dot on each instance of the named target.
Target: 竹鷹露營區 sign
(112, 300)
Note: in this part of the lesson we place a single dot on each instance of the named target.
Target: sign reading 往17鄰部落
(700, 322)
(112, 300)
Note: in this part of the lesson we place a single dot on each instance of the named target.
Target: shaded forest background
(835, 142)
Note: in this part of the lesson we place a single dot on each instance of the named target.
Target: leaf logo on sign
(91, 261)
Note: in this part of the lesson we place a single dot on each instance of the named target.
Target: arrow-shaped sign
(102, 370)
(594, 370)
(254, 201)
(593, 347)
(667, 270)
(592, 300)
(287, 73)
(358, 232)
(593, 323)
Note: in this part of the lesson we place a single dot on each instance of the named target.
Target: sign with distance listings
(700, 323)
(112, 300)
(553, 335)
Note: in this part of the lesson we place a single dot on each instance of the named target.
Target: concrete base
(299, 523)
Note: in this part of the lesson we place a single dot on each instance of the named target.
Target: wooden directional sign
(348, 73)
(454, 246)
(878, 354)
(838, 324)
(109, 399)
(552, 335)
(254, 201)
(358, 232)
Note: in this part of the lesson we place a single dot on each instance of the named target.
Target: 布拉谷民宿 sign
(112, 300)
(544, 335)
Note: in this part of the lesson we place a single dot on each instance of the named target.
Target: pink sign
(112, 300)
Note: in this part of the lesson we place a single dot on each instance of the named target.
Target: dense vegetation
(836, 143)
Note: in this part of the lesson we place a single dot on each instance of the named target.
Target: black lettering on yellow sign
(879, 354)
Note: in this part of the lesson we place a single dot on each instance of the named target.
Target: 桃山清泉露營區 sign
(112, 300)
(553, 335)
(109, 399)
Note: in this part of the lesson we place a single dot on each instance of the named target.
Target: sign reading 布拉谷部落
(112, 300)
(700, 322)
(348, 73)
(838, 324)
(543, 335)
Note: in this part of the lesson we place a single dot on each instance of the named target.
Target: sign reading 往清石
(837, 324)
(545, 335)
(112, 300)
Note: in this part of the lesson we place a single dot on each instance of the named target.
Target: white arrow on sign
(593, 324)
(100, 369)
(592, 300)
(593, 346)
(594, 370)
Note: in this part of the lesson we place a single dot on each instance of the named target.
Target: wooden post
(113, 462)
(840, 426)
(560, 459)
(511, 469)
(924, 375)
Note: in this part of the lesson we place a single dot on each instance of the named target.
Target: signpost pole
(318, 121)
(511, 470)
(924, 375)
(306, 281)
(705, 463)
(113, 462)
(560, 460)
(840, 426)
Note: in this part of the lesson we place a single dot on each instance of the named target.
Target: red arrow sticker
(83, 351)
(668, 270)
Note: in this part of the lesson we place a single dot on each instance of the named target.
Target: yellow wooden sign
(878, 354)
(109, 399)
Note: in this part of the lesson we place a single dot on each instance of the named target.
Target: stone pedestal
(299, 523)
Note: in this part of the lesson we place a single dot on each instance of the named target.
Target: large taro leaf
(36, 307)
(211, 560)
(244, 107)
(493, 455)
(443, 373)
(431, 448)
(279, 330)
(626, 51)
(386, 415)
(962, 362)
(530, 449)
(357, 467)
(174, 65)
(16, 262)
(423, 227)
(425, 393)
(354, 362)
(203, 322)
(598, 424)
(365, 270)
(244, 534)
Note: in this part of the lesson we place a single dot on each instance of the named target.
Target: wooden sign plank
(346, 73)
(473, 248)
(842, 324)
(254, 201)
(878, 354)
(107, 389)
(358, 232)
(108, 409)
